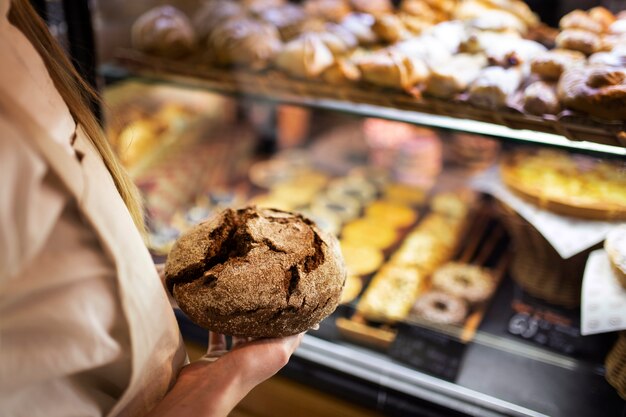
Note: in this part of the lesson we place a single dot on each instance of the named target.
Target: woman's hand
(212, 386)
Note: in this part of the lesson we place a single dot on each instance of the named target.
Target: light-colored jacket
(86, 328)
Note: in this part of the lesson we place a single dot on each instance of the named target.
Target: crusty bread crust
(256, 273)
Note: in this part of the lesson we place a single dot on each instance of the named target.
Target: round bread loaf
(256, 272)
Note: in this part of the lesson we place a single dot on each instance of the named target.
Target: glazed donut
(163, 31)
(440, 307)
(469, 282)
(598, 90)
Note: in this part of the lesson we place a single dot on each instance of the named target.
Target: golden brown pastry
(373, 7)
(469, 282)
(393, 69)
(329, 10)
(453, 77)
(498, 21)
(214, 13)
(611, 59)
(390, 28)
(163, 31)
(287, 19)
(579, 19)
(422, 9)
(245, 42)
(360, 25)
(258, 6)
(549, 65)
(579, 40)
(540, 98)
(494, 86)
(599, 90)
(517, 7)
(306, 57)
(603, 16)
(338, 39)
(343, 71)
(256, 273)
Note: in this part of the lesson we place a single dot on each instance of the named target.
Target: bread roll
(256, 273)
(164, 31)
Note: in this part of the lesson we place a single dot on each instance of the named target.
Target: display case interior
(470, 159)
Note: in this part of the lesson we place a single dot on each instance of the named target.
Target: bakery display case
(470, 159)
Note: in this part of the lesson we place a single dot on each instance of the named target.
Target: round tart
(367, 232)
(577, 186)
(361, 260)
(393, 214)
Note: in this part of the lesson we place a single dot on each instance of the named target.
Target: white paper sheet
(568, 235)
(603, 304)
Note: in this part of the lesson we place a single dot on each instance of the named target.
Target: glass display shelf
(610, 147)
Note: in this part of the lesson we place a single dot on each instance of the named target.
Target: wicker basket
(616, 366)
(538, 268)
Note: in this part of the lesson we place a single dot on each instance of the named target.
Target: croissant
(306, 57)
(391, 68)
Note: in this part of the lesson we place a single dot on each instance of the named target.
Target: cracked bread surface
(256, 272)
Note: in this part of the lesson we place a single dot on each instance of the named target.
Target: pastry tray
(483, 243)
(276, 86)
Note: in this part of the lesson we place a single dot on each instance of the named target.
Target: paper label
(567, 235)
(603, 305)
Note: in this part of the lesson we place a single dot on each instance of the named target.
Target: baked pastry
(256, 7)
(598, 90)
(453, 77)
(367, 232)
(328, 10)
(579, 186)
(423, 251)
(351, 289)
(540, 98)
(508, 51)
(498, 21)
(256, 273)
(404, 194)
(610, 59)
(440, 308)
(455, 204)
(393, 69)
(578, 40)
(615, 246)
(391, 214)
(549, 65)
(579, 19)
(343, 71)
(602, 15)
(360, 25)
(361, 260)
(494, 86)
(213, 13)
(390, 28)
(352, 187)
(344, 208)
(306, 57)
(469, 282)
(373, 7)
(391, 293)
(163, 31)
(288, 19)
(421, 9)
(246, 42)
(517, 7)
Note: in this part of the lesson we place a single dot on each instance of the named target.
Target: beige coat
(85, 325)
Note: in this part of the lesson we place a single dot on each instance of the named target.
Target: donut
(598, 90)
(440, 307)
(472, 283)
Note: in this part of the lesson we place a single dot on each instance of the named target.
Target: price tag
(428, 351)
(544, 326)
(568, 235)
(603, 307)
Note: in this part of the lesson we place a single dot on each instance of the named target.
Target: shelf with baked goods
(569, 130)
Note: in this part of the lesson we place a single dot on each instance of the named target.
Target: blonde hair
(77, 95)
